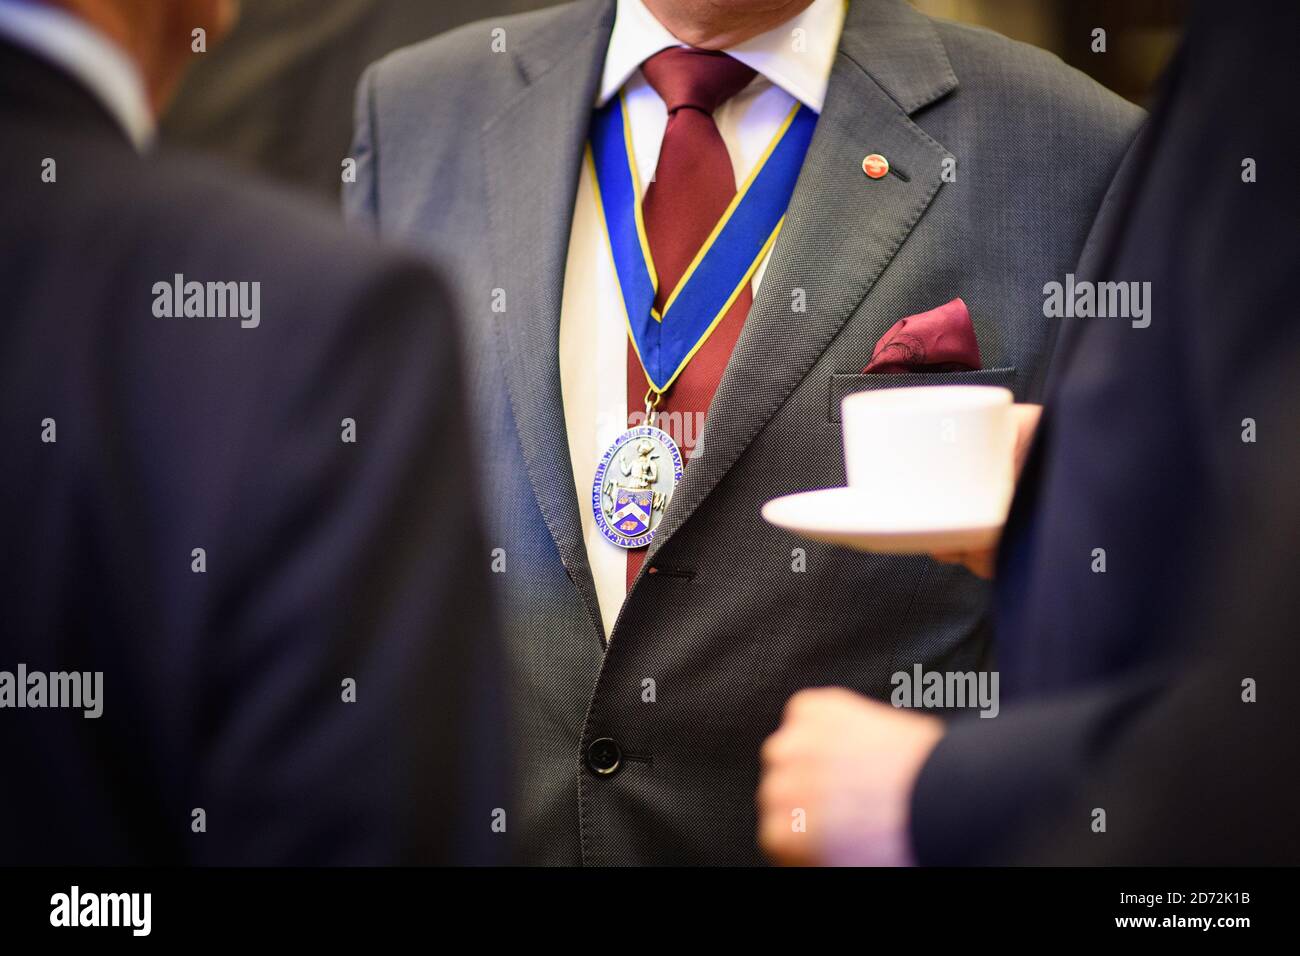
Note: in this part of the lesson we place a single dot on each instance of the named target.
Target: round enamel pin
(875, 166)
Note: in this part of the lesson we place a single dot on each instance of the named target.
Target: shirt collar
(90, 57)
(799, 63)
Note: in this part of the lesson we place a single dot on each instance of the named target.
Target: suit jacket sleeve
(989, 779)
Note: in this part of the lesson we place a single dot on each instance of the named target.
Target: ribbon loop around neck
(725, 263)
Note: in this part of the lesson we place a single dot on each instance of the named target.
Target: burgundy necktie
(693, 185)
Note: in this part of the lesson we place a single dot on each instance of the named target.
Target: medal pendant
(634, 482)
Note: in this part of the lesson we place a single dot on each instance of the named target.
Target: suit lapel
(841, 231)
(532, 152)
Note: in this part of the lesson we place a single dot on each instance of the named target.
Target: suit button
(604, 757)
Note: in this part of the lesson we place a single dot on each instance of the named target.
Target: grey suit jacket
(474, 156)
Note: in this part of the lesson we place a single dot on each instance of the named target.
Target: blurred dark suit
(278, 93)
(1140, 452)
(324, 560)
(1201, 777)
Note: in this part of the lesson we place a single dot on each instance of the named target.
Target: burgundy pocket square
(941, 340)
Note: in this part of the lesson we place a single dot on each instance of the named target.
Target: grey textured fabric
(474, 157)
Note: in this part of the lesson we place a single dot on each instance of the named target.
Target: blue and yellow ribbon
(725, 263)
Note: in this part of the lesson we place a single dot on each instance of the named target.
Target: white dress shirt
(93, 59)
(793, 63)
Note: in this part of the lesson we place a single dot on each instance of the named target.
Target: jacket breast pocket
(846, 383)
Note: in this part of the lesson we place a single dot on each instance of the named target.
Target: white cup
(932, 456)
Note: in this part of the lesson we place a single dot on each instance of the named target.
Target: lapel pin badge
(875, 166)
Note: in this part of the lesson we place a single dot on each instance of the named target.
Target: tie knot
(700, 79)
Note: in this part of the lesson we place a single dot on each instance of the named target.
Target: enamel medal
(634, 482)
